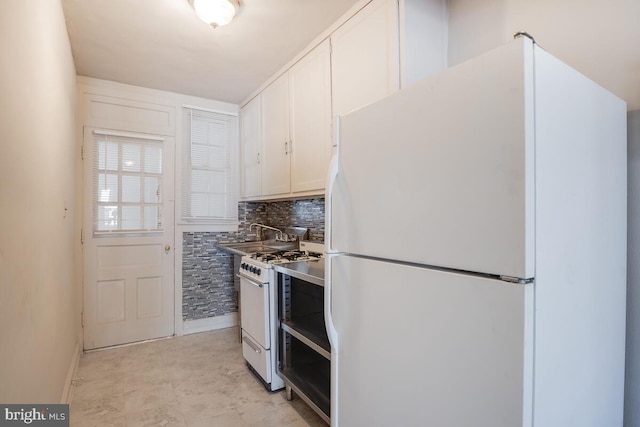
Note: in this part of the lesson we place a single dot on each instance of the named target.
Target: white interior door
(128, 237)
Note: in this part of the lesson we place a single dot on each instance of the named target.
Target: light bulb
(214, 12)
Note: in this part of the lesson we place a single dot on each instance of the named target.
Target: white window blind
(209, 167)
(127, 183)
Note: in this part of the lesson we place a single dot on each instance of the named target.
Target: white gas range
(258, 308)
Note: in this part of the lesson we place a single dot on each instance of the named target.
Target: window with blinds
(209, 167)
(127, 183)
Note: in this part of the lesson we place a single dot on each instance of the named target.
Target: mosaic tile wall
(300, 213)
(208, 274)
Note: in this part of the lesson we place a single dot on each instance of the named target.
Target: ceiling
(161, 44)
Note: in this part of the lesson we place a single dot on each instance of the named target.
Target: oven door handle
(252, 345)
(252, 282)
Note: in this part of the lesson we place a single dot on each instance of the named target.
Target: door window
(127, 183)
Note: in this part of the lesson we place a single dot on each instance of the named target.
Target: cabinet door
(310, 86)
(365, 57)
(276, 164)
(250, 137)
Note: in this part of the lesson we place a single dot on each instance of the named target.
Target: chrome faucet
(268, 228)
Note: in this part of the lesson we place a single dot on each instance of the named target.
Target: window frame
(230, 222)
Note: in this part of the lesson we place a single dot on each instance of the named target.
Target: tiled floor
(193, 380)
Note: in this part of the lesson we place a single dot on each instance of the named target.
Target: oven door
(254, 314)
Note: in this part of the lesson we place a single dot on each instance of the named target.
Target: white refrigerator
(476, 250)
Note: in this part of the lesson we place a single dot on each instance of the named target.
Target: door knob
(167, 248)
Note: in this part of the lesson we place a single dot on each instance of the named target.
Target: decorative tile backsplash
(208, 274)
(300, 213)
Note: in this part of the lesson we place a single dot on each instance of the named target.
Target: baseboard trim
(209, 324)
(71, 372)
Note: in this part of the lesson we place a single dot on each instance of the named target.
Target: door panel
(276, 161)
(111, 301)
(149, 297)
(128, 274)
(365, 58)
(255, 311)
(127, 255)
(447, 167)
(310, 91)
(251, 139)
(420, 347)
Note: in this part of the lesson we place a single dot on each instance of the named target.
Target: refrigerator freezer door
(441, 173)
(421, 347)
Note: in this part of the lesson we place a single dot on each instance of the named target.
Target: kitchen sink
(247, 248)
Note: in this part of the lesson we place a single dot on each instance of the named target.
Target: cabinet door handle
(258, 158)
(286, 147)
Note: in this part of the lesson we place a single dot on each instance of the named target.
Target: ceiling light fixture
(215, 12)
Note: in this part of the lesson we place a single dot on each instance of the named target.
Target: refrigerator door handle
(331, 253)
(331, 179)
(332, 335)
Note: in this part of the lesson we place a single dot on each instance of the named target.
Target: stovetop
(280, 257)
(257, 265)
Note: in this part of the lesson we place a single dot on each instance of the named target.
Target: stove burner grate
(283, 256)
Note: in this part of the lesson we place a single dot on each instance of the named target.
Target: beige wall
(39, 314)
(596, 37)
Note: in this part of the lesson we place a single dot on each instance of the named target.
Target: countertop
(310, 271)
(234, 251)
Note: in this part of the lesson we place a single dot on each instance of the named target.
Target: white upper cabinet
(276, 144)
(365, 57)
(310, 95)
(251, 137)
(359, 62)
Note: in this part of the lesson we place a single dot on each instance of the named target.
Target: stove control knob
(258, 271)
(243, 266)
(252, 269)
